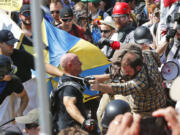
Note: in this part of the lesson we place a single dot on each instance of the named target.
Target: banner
(11, 5)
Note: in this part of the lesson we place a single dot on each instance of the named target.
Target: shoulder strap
(71, 83)
(56, 90)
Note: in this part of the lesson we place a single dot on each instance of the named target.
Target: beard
(26, 22)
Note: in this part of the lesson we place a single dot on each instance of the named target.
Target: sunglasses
(55, 11)
(30, 126)
(26, 14)
(105, 31)
(67, 20)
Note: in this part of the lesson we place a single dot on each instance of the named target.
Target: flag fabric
(61, 42)
(168, 3)
(11, 5)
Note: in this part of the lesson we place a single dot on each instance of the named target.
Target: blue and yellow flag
(60, 42)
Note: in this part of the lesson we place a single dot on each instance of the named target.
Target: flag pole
(43, 100)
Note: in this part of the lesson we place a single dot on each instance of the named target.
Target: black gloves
(104, 41)
(86, 80)
(170, 34)
(89, 125)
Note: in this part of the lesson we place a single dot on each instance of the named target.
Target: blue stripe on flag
(58, 46)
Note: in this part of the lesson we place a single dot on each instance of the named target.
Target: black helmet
(142, 35)
(171, 19)
(5, 66)
(112, 109)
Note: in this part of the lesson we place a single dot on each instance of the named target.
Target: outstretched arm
(52, 70)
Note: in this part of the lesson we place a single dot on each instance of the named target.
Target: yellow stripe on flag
(90, 55)
(44, 35)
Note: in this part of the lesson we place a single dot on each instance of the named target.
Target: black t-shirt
(64, 119)
(14, 85)
(24, 62)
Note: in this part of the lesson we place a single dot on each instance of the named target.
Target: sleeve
(29, 60)
(138, 84)
(69, 91)
(157, 58)
(16, 84)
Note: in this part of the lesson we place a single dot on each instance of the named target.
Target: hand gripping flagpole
(45, 126)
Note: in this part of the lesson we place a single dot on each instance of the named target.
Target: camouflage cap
(31, 117)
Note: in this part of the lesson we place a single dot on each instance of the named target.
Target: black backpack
(54, 100)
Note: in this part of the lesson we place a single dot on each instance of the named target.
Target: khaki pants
(106, 98)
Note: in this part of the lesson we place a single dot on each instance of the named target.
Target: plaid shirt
(145, 94)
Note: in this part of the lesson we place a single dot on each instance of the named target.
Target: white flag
(6, 23)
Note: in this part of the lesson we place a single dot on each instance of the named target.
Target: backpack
(54, 100)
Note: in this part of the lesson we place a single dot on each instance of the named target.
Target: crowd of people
(138, 37)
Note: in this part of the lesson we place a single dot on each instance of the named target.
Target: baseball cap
(7, 37)
(24, 8)
(66, 12)
(31, 117)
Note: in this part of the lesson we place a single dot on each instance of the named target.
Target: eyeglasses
(26, 14)
(55, 11)
(105, 31)
(67, 20)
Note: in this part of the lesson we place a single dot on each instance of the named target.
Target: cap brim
(103, 22)
(25, 120)
(119, 15)
(12, 41)
(144, 41)
(31, 117)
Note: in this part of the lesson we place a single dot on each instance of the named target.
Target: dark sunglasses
(26, 14)
(55, 11)
(30, 126)
(67, 20)
(105, 31)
